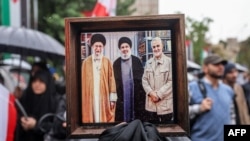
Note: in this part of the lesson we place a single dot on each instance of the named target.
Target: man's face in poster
(97, 49)
(125, 50)
(157, 48)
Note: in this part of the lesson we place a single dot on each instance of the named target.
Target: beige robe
(107, 86)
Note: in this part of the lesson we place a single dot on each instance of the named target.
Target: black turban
(124, 40)
(98, 38)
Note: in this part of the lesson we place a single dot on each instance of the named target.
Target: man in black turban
(128, 71)
(98, 38)
(98, 85)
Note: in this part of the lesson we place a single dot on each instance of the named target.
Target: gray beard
(97, 56)
(125, 57)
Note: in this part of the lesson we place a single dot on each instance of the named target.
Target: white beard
(126, 56)
(97, 56)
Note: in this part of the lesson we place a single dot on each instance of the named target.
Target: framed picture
(89, 113)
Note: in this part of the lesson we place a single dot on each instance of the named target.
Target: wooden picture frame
(74, 27)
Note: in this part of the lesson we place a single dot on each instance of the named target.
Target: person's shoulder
(227, 88)
(193, 83)
(166, 57)
(89, 58)
(238, 86)
(135, 57)
(246, 85)
(150, 61)
(117, 60)
(104, 58)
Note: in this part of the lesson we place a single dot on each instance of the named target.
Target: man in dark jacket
(128, 71)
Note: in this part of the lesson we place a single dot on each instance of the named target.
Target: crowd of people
(225, 101)
(124, 91)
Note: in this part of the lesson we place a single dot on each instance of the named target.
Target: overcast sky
(231, 18)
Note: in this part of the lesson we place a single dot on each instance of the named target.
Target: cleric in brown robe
(98, 85)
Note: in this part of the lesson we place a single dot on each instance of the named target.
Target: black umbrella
(29, 42)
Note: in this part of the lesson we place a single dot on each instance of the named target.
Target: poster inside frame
(140, 30)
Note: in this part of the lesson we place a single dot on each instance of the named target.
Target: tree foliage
(52, 13)
(123, 7)
(196, 32)
(244, 53)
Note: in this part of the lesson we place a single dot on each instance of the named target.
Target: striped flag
(104, 8)
(8, 115)
(11, 12)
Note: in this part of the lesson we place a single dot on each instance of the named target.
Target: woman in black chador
(37, 100)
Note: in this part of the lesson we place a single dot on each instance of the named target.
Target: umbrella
(192, 66)
(16, 63)
(29, 42)
(241, 68)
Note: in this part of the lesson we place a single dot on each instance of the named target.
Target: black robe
(37, 106)
(132, 131)
(139, 93)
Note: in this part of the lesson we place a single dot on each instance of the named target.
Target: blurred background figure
(8, 116)
(240, 103)
(38, 99)
(246, 88)
(38, 66)
(58, 130)
(18, 91)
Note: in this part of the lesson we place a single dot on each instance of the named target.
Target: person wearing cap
(157, 83)
(215, 110)
(98, 85)
(128, 71)
(240, 104)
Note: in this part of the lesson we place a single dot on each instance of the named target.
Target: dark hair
(41, 65)
(43, 76)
